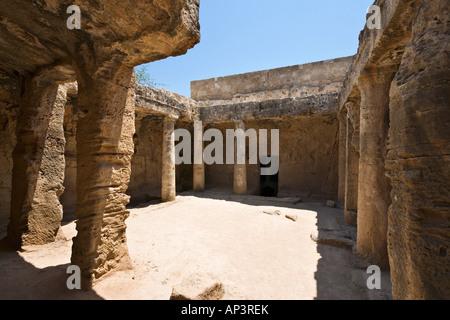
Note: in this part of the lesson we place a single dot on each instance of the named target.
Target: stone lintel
(165, 102)
(324, 105)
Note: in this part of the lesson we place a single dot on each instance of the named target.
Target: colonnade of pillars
(363, 184)
(168, 183)
(105, 130)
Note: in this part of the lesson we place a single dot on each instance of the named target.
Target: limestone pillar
(373, 186)
(9, 112)
(351, 164)
(342, 155)
(168, 183)
(38, 165)
(240, 170)
(199, 165)
(105, 129)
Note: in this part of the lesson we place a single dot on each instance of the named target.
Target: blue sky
(239, 36)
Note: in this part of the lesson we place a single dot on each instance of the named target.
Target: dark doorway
(268, 185)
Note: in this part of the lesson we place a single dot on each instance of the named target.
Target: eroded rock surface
(419, 161)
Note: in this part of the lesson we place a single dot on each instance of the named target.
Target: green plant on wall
(143, 77)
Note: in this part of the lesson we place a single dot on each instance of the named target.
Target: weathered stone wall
(9, 95)
(219, 176)
(419, 160)
(290, 82)
(302, 102)
(308, 158)
(145, 181)
(396, 98)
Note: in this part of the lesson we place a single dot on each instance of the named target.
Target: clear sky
(239, 36)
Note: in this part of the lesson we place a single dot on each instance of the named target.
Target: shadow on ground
(341, 274)
(20, 280)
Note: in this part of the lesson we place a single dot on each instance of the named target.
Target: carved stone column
(352, 164)
(373, 187)
(240, 170)
(105, 130)
(168, 183)
(342, 155)
(38, 169)
(199, 165)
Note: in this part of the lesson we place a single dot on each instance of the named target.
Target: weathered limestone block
(198, 287)
(9, 111)
(166, 102)
(311, 79)
(373, 186)
(168, 182)
(105, 130)
(419, 161)
(38, 173)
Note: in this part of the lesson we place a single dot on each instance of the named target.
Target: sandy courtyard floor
(253, 254)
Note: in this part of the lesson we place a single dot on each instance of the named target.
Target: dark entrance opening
(268, 185)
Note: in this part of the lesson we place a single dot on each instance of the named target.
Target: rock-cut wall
(9, 95)
(419, 160)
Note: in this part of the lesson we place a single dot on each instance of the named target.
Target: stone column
(342, 155)
(240, 170)
(419, 161)
(38, 165)
(351, 164)
(199, 165)
(9, 112)
(373, 187)
(106, 124)
(168, 183)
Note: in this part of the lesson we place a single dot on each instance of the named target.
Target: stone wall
(9, 95)
(290, 82)
(308, 158)
(395, 103)
(302, 102)
(419, 160)
(145, 182)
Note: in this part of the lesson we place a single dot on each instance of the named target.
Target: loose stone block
(198, 287)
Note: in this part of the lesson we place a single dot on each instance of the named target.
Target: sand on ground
(231, 239)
